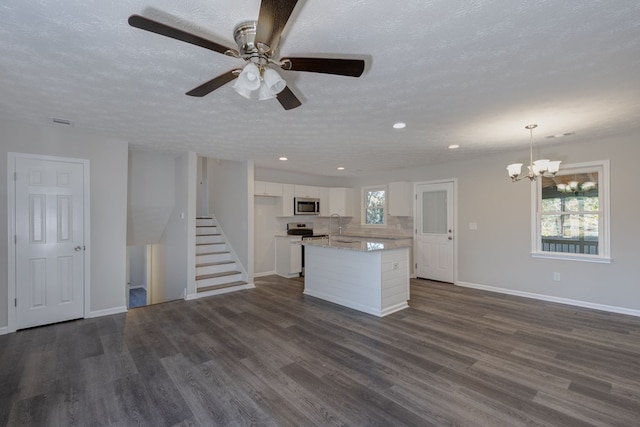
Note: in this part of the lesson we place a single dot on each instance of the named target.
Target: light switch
(473, 226)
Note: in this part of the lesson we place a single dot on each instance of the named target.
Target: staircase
(216, 267)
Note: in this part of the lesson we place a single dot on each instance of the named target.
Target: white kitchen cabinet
(272, 189)
(400, 198)
(287, 199)
(340, 201)
(288, 256)
(306, 191)
(325, 202)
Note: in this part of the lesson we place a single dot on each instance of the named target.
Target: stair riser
(213, 269)
(209, 239)
(203, 249)
(205, 222)
(206, 230)
(205, 259)
(219, 280)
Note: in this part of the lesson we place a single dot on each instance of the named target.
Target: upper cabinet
(332, 199)
(306, 191)
(400, 198)
(272, 189)
(340, 201)
(325, 202)
(287, 199)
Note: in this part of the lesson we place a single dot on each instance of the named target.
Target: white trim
(11, 227)
(107, 312)
(268, 273)
(572, 257)
(213, 292)
(604, 238)
(4, 331)
(559, 300)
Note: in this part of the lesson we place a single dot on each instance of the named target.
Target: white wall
(108, 181)
(231, 201)
(170, 257)
(497, 254)
(151, 199)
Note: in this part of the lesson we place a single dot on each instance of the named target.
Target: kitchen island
(366, 275)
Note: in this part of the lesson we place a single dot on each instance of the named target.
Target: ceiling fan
(257, 43)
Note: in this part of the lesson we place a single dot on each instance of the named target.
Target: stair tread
(224, 285)
(209, 264)
(204, 244)
(214, 253)
(214, 275)
(204, 217)
(209, 234)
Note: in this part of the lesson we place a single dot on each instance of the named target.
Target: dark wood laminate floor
(271, 356)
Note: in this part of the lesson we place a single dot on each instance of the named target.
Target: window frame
(363, 207)
(604, 212)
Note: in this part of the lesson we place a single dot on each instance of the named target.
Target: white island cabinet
(369, 276)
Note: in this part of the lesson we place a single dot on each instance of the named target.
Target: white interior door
(49, 225)
(434, 231)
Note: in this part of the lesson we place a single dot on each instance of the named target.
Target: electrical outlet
(556, 277)
(395, 265)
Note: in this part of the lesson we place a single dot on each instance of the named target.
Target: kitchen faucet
(339, 223)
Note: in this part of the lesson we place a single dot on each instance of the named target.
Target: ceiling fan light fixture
(249, 78)
(273, 81)
(241, 90)
(264, 93)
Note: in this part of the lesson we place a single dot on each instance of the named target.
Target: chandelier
(543, 167)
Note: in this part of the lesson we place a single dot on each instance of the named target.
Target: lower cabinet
(288, 256)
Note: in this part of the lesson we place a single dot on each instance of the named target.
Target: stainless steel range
(306, 231)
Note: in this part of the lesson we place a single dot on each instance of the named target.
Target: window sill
(572, 257)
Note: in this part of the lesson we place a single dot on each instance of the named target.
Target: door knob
(450, 238)
(77, 248)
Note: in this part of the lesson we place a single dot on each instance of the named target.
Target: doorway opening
(138, 276)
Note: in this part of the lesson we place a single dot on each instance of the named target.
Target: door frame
(11, 228)
(453, 181)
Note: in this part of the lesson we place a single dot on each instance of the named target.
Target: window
(571, 214)
(374, 206)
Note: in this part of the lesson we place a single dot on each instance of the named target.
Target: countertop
(358, 243)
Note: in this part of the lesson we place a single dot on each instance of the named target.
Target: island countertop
(357, 244)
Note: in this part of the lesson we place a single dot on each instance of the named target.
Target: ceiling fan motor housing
(245, 37)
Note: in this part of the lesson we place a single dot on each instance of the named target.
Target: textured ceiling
(472, 73)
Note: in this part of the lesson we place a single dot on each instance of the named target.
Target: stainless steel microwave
(306, 206)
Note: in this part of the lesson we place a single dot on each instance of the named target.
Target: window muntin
(374, 206)
(571, 220)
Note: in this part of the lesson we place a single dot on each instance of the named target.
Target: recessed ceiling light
(454, 147)
(399, 125)
(340, 168)
(284, 159)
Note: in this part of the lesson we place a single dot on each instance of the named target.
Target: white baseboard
(190, 297)
(567, 301)
(4, 330)
(107, 312)
(268, 273)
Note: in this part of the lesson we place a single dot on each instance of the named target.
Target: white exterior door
(49, 243)
(434, 231)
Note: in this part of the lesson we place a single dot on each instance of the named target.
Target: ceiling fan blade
(168, 31)
(274, 15)
(343, 67)
(287, 99)
(213, 84)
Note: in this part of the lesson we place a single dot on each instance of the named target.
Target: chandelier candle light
(543, 167)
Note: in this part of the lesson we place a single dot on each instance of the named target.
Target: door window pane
(434, 212)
